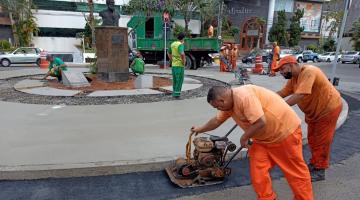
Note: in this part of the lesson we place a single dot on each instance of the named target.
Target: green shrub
(93, 68)
(178, 29)
(312, 47)
(5, 45)
(329, 45)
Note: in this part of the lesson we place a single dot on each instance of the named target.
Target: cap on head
(285, 60)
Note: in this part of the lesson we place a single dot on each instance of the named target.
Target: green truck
(149, 37)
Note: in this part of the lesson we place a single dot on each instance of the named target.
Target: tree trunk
(92, 22)
(13, 28)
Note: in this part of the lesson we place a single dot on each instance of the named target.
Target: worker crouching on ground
(320, 101)
(276, 133)
(56, 66)
(138, 65)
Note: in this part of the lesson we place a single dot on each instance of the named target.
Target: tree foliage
(278, 30)
(22, 19)
(355, 38)
(295, 28)
(334, 17)
(329, 45)
(185, 7)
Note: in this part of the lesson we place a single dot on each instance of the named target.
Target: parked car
(22, 55)
(352, 57)
(250, 58)
(286, 52)
(328, 57)
(309, 55)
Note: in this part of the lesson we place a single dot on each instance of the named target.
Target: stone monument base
(113, 76)
(112, 52)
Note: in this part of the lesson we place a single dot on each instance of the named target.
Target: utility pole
(221, 3)
(333, 77)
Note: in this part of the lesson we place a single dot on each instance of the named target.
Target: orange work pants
(222, 66)
(287, 154)
(320, 137)
(273, 65)
(233, 64)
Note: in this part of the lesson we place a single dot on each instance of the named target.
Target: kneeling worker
(275, 130)
(56, 65)
(137, 66)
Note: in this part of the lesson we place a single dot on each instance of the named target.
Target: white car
(22, 55)
(352, 57)
(286, 52)
(328, 57)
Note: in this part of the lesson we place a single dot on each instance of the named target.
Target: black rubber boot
(317, 175)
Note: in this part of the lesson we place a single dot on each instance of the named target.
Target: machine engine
(208, 159)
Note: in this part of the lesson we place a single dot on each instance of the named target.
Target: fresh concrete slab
(74, 79)
(185, 87)
(109, 93)
(28, 83)
(48, 91)
(144, 81)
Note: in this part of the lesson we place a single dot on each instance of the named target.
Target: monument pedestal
(112, 53)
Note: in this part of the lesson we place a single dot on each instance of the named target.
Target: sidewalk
(39, 141)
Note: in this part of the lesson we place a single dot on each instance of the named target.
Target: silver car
(22, 55)
(352, 57)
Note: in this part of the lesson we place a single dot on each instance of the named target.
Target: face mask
(288, 75)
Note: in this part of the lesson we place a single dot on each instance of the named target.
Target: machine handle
(236, 153)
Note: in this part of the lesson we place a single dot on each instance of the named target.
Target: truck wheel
(189, 62)
(315, 60)
(300, 60)
(5, 62)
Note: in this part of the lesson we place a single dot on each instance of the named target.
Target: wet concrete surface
(156, 185)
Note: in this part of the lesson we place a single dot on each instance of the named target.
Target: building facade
(245, 14)
(5, 27)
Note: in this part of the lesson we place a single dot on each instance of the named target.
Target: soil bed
(9, 94)
(97, 84)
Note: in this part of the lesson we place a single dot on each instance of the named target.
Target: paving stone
(74, 79)
(105, 93)
(28, 83)
(48, 91)
(144, 81)
(185, 87)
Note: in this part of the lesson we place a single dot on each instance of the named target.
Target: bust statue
(109, 16)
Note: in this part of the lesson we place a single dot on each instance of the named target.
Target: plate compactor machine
(208, 166)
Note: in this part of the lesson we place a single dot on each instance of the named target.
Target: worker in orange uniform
(234, 57)
(223, 59)
(320, 101)
(211, 31)
(275, 58)
(276, 133)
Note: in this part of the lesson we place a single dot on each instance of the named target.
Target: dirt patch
(97, 84)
